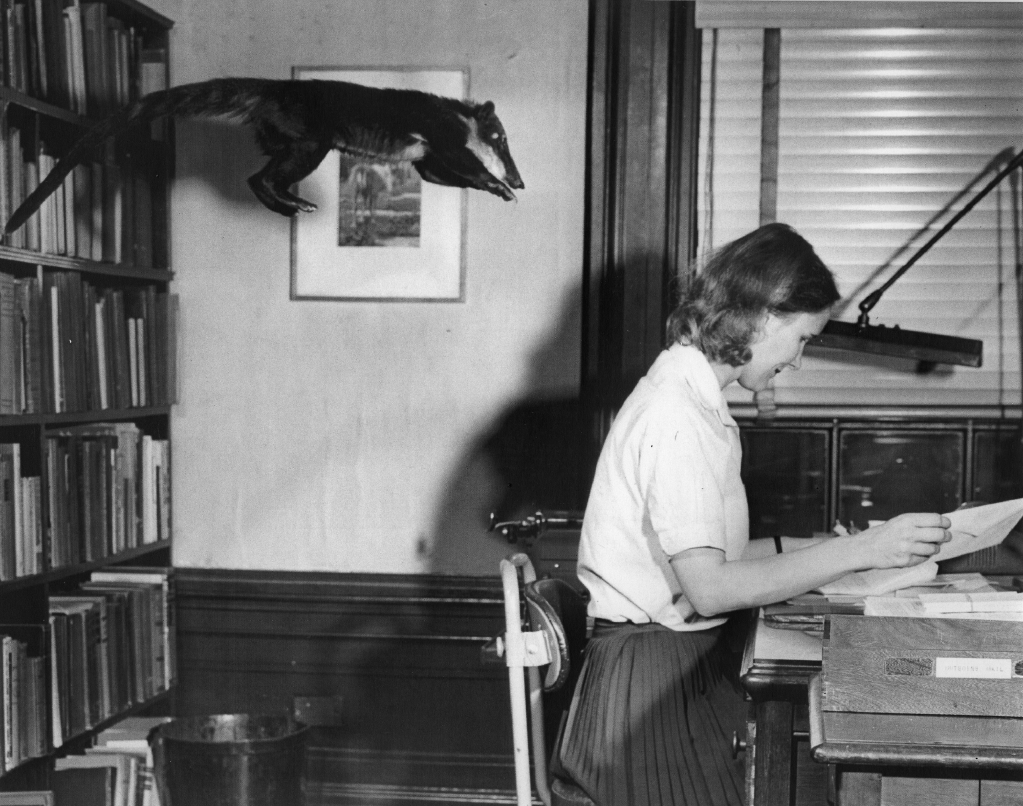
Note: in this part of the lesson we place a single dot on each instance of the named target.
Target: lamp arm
(875, 296)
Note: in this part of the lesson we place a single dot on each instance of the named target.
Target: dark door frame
(641, 183)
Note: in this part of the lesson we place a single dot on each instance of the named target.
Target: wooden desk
(776, 669)
(883, 768)
(920, 712)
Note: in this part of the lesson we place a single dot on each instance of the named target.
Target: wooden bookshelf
(87, 381)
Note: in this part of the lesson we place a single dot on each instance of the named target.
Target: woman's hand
(905, 540)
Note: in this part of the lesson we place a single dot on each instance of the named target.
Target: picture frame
(380, 233)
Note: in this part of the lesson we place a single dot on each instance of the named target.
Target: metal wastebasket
(230, 760)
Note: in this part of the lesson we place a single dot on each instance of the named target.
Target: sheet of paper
(979, 527)
(972, 530)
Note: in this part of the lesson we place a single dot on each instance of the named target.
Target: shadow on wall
(529, 459)
(421, 707)
(221, 155)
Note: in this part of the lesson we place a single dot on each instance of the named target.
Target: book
(8, 537)
(73, 32)
(84, 786)
(32, 798)
(124, 767)
(10, 344)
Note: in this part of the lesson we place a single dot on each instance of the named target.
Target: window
(880, 130)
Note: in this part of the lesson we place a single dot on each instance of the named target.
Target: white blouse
(667, 480)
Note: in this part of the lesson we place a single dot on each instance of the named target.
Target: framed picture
(380, 232)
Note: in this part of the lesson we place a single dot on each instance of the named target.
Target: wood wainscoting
(422, 719)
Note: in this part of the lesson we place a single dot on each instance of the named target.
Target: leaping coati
(297, 122)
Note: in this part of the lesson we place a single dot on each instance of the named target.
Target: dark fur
(298, 122)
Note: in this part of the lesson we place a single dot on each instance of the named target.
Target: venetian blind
(880, 130)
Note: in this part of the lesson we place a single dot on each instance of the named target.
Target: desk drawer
(858, 788)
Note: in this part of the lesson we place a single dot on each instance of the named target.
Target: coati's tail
(214, 98)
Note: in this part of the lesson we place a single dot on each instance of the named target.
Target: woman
(665, 550)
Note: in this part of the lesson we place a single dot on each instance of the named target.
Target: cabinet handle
(738, 745)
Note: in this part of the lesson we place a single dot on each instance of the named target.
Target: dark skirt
(652, 718)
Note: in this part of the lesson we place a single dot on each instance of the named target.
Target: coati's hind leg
(287, 166)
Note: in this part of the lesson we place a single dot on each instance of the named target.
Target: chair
(555, 616)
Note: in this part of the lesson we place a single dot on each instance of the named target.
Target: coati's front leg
(288, 165)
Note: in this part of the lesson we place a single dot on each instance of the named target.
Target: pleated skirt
(652, 718)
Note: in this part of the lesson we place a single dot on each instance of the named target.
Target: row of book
(76, 55)
(102, 211)
(21, 532)
(112, 646)
(68, 345)
(108, 490)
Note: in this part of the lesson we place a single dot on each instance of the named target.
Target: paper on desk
(972, 529)
(881, 580)
(979, 527)
(914, 608)
(979, 602)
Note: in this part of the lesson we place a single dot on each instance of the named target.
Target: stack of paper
(994, 602)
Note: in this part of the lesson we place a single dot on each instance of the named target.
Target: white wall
(336, 435)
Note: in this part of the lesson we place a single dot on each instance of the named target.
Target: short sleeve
(681, 470)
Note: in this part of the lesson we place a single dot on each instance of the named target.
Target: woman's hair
(772, 270)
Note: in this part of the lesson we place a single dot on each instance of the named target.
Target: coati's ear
(487, 108)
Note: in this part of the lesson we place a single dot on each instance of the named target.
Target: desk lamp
(864, 337)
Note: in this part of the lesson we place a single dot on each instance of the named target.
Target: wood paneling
(419, 707)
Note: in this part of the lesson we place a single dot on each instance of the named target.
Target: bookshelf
(87, 381)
